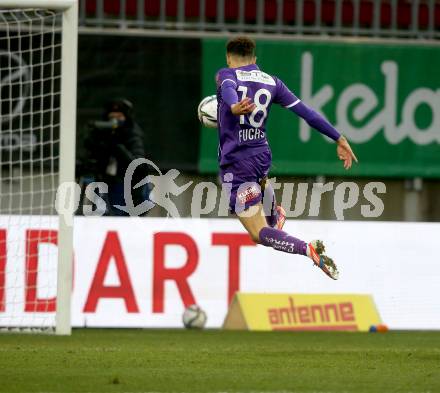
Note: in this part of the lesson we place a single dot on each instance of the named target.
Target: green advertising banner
(384, 98)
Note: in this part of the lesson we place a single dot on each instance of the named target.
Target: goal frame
(69, 49)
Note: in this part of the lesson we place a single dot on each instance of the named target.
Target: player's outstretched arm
(345, 153)
(319, 123)
(288, 100)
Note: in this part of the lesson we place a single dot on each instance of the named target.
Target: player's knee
(255, 236)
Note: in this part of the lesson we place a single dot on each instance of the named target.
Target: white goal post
(46, 104)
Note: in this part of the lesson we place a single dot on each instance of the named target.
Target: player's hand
(243, 107)
(345, 153)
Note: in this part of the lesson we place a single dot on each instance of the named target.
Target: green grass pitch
(94, 360)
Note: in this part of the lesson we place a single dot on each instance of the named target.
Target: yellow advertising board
(346, 312)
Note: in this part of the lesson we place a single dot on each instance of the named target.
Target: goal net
(32, 128)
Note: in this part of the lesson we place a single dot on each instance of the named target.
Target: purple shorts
(245, 177)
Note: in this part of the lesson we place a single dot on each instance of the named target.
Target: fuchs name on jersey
(250, 134)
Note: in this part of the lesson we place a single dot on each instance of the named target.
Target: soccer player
(245, 95)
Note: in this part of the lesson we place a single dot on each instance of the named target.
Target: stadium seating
(112, 8)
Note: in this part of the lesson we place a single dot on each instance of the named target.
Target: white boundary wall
(397, 263)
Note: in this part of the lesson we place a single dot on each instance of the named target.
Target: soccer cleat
(325, 263)
(281, 219)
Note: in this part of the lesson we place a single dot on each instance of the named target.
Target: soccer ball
(207, 111)
(194, 317)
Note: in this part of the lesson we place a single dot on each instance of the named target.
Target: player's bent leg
(281, 217)
(275, 215)
(269, 203)
(282, 241)
(255, 223)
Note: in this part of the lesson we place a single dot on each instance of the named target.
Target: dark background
(29, 74)
(160, 76)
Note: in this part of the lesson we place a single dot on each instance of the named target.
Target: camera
(111, 124)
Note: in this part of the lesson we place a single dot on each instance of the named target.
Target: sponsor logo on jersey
(248, 194)
(255, 76)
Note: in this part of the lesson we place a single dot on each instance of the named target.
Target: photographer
(110, 146)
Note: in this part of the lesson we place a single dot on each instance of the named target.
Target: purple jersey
(245, 136)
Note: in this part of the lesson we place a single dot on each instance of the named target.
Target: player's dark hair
(241, 46)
